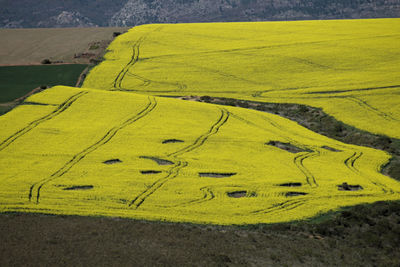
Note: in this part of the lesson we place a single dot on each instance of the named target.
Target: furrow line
(61, 108)
(367, 106)
(174, 170)
(36, 187)
(298, 161)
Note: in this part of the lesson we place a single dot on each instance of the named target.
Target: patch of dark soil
(331, 149)
(295, 194)
(348, 187)
(168, 141)
(112, 161)
(79, 187)
(216, 174)
(237, 194)
(291, 184)
(364, 235)
(37, 104)
(150, 172)
(158, 160)
(287, 146)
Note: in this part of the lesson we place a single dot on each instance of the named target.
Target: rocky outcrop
(136, 12)
(78, 13)
(67, 19)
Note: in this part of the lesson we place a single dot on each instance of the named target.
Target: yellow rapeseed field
(95, 152)
(350, 68)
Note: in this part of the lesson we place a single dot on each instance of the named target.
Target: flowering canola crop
(349, 68)
(94, 152)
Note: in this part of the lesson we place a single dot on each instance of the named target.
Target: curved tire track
(298, 161)
(34, 192)
(367, 106)
(180, 164)
(282, 206)
(350, 164)
(135, 57)
(61, 108)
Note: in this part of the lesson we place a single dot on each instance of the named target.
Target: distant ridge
(92, 13)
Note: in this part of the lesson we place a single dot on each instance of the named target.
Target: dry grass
(31, 46)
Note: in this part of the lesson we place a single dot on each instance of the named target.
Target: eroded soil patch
(295, 194)
(158, 160)
(287, 146)
(168, 141)
(150, 172)
(79, 187)
(112, 161)
(348, 187)
(291, 184)
(331, 149)
(216, 174)
(237, 194)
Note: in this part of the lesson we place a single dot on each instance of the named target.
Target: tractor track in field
(61, 108)
(172, 173)
(208, 195)
(180, 164)
(298, 161)
(350, 164)
(146, 82)
(350, 161)
(134, 59)
(285, 205)
(34, 191)
(367, 106)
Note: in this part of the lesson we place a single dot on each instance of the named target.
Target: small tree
(46, 61)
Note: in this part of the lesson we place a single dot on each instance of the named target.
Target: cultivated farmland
(12, 86)
(348, 68)
(93, 152)
(31, 46)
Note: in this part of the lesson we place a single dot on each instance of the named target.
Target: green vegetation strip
(16, 81)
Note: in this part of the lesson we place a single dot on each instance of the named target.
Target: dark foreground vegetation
(364, 235)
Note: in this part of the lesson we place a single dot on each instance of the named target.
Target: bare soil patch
(79, 187)
(287, 146)
(112, 161)
(294, 184)
(168, 141)
(150, 172)
(349, 187)
(158, 160)
(237, 194)
(216, 174)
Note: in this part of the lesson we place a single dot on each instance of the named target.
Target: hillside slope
(349, 68)
(128, 155)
